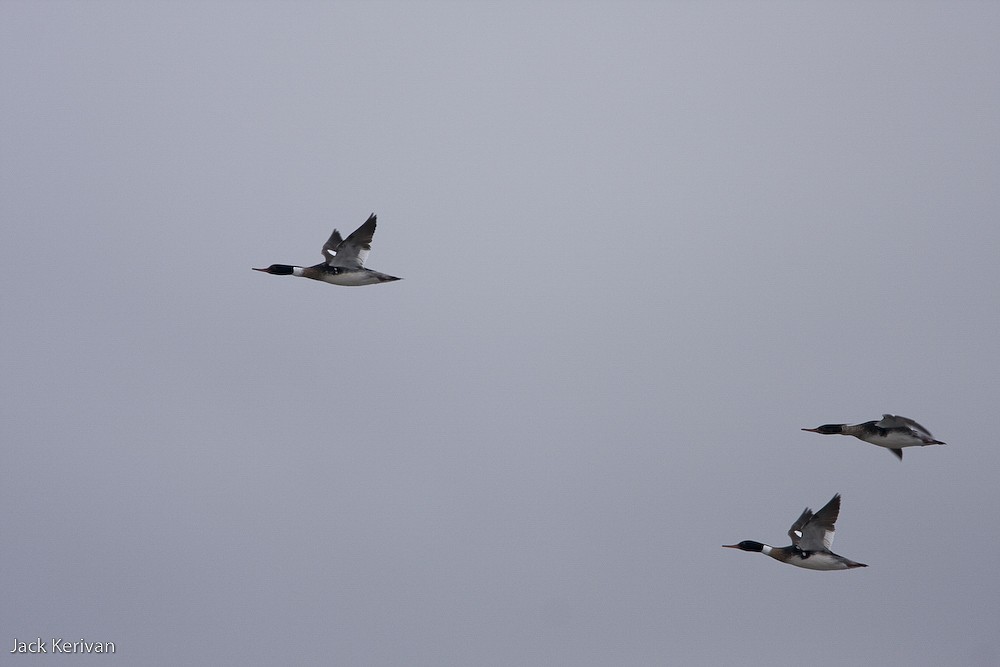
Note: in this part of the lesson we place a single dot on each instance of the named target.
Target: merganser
(892, 432)
(812, 537)
(344, 263)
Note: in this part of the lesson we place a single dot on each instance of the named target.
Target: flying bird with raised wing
(344, 260)
(812, 537)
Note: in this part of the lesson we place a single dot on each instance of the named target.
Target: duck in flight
(812, 537)
(345, 259)
(892, 432)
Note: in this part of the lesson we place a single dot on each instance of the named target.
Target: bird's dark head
(746, 545)
(278, 269)
(827, 429)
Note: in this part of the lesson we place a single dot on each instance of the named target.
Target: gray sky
(643, 245)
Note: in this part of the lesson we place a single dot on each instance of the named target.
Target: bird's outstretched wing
(814, 532)
(330, 247)
(353, 251)
(895, 421)
(795, 532)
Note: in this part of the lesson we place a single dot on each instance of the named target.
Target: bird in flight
(812, 537)
(892, 432)
(344, 260)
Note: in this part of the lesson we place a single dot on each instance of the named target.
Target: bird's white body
(817, 560)
(891, 440)
(343, 277)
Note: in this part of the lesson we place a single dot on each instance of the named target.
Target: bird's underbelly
(818, 561)
(351, 278)
(894, 440)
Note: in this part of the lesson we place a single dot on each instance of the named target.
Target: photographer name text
(39, 645)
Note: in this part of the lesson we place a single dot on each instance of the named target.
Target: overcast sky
(642, 246)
